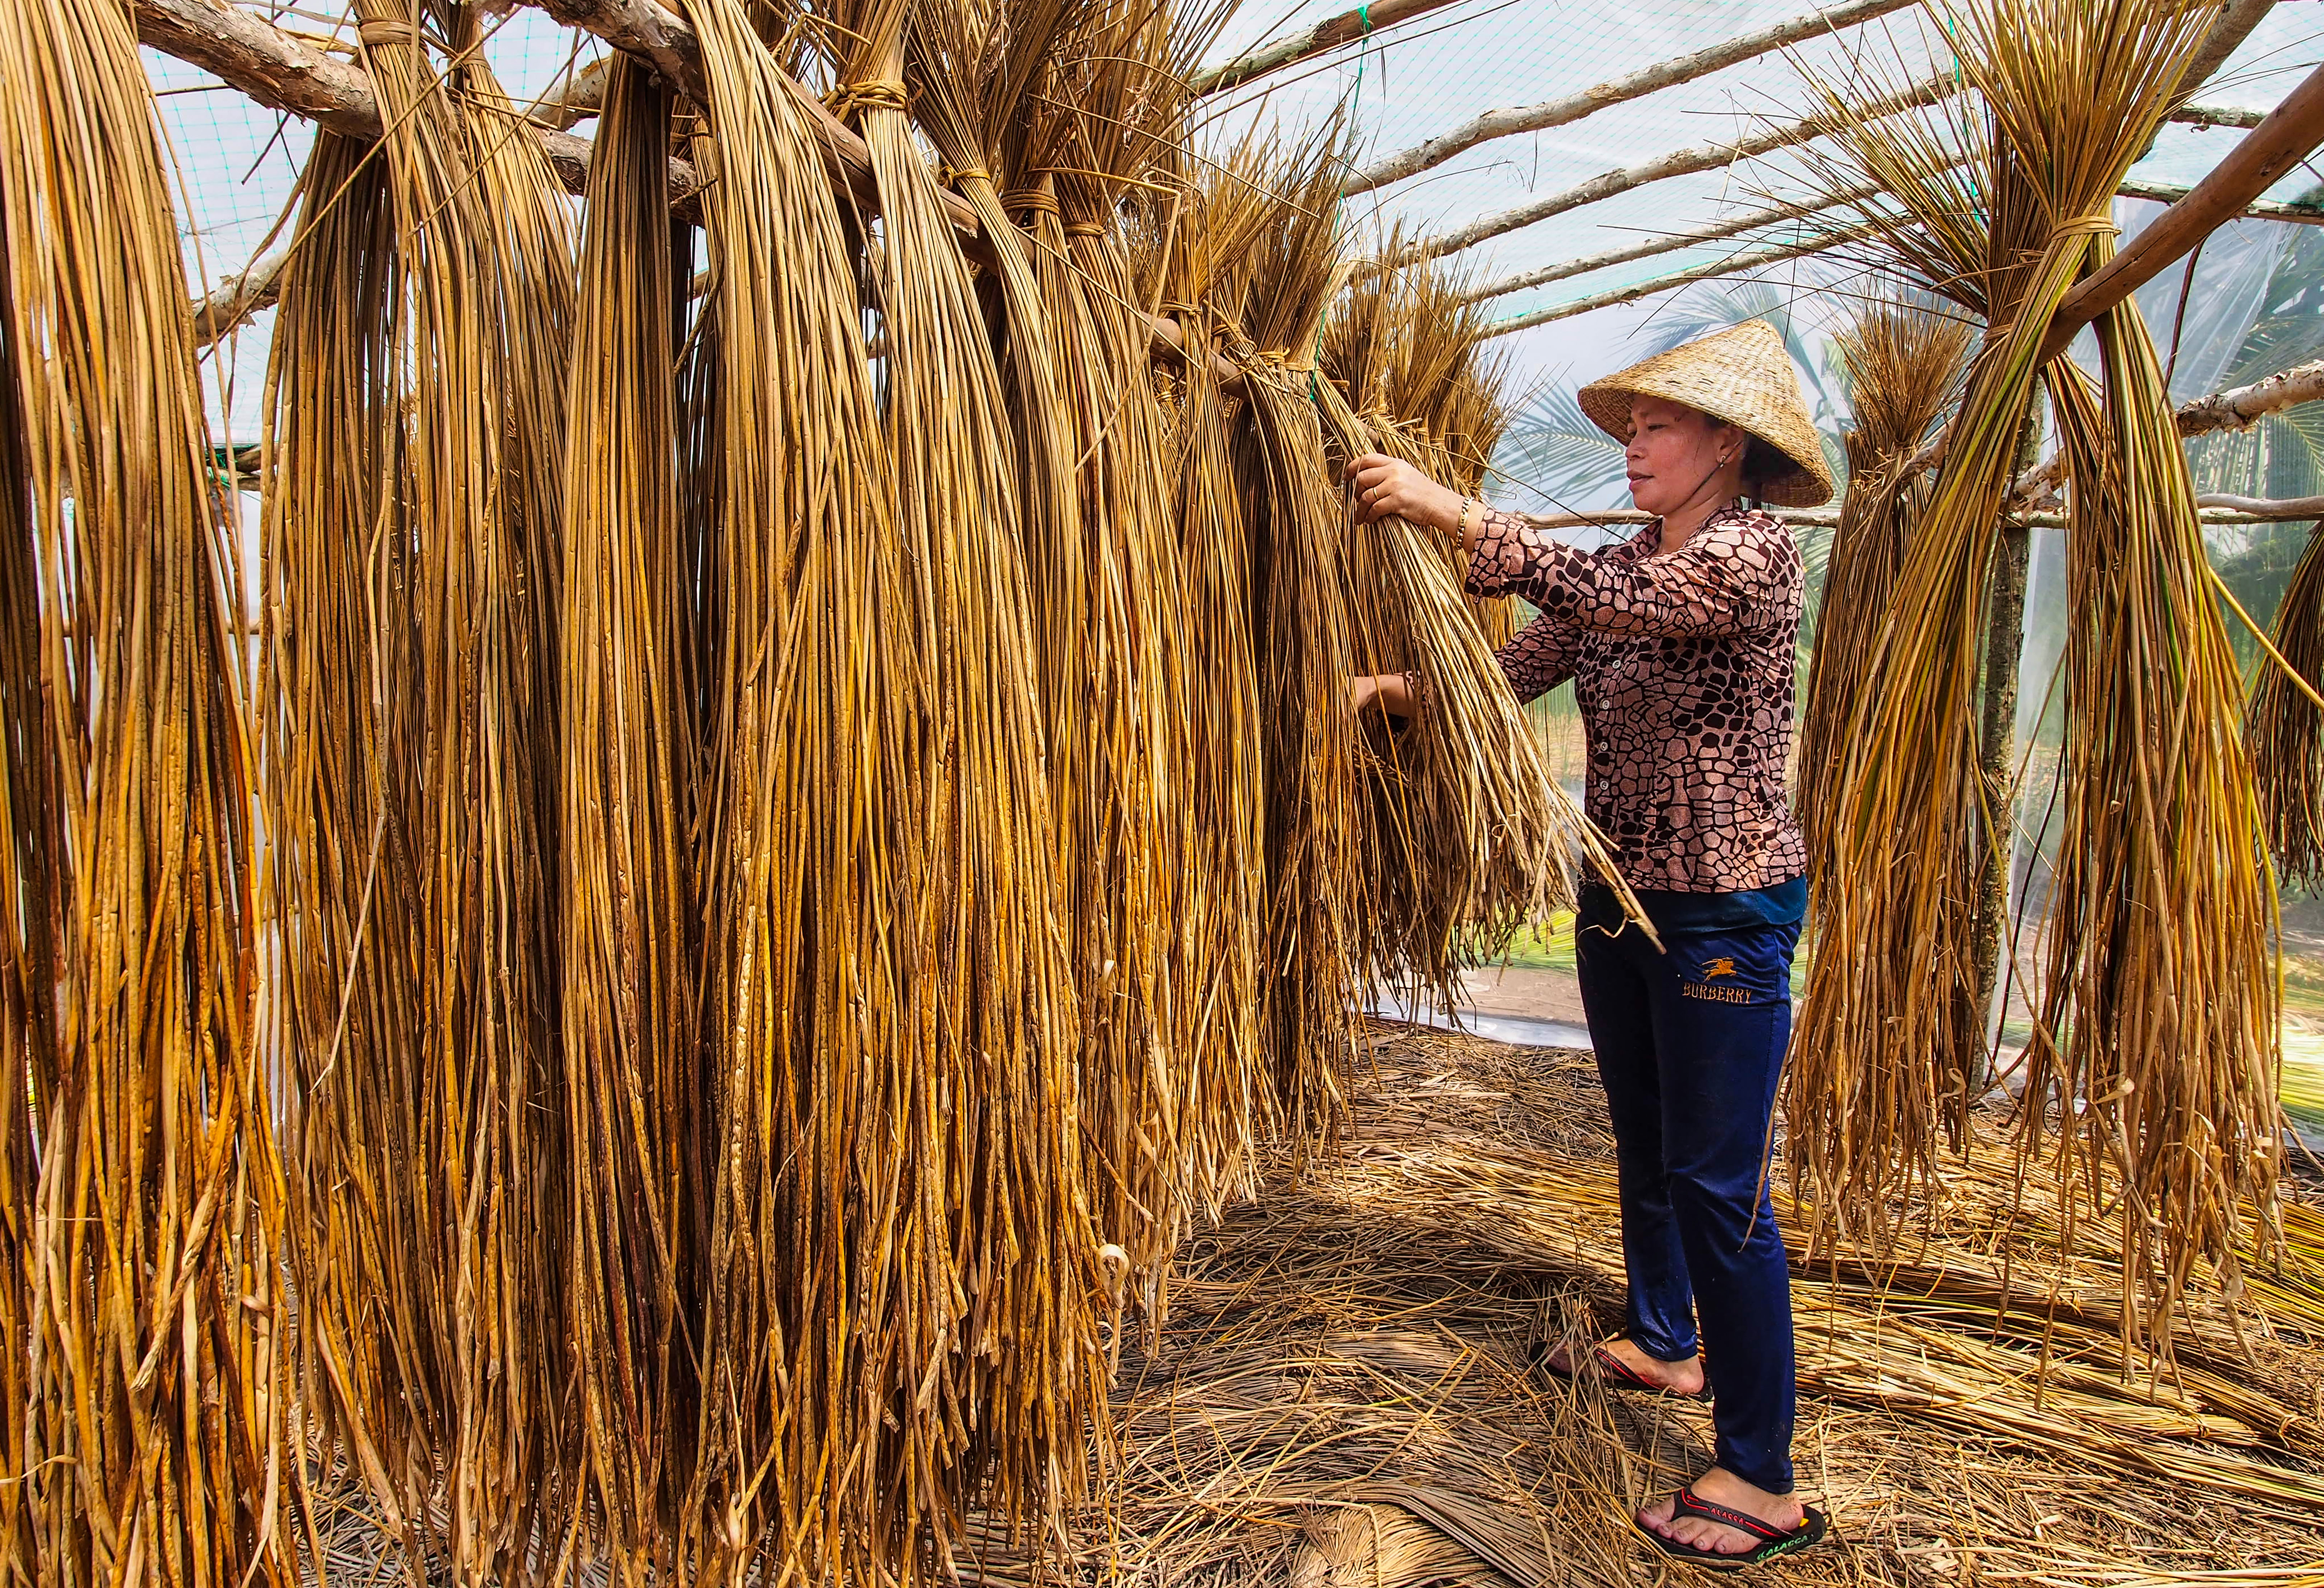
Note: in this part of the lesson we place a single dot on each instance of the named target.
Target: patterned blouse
(1683, 664)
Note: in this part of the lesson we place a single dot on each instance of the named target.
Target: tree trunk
(2005, 638)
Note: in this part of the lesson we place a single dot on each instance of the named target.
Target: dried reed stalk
(1904, 362)
(2158, 1040)
(143, 1432)
(1891, 1054)
(636, 1092)
(2285, 731)
(418, 394)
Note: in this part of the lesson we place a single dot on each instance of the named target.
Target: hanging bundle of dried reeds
(1891, 1054)
(1466, 837)
(636, 1092)
(1197, 260)
(143, 1432)
(997, 1268)
(342, 882)
(900, 1261)
(418, 393)
(1306, 648)
(2285, 731)
(1905, 361)
(2158, 1040)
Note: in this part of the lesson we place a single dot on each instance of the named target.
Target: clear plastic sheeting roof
(1407, 83)
(1419, 80)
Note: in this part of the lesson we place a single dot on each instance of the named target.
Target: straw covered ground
(1341, 1398)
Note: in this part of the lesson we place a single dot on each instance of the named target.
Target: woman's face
(1674, 451)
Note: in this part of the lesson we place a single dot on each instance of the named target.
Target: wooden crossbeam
(2300, 214)
(2211, 509)
(1734, 265)
(1679, 162)
(2254, 165)
(1325, 36)
(1515, 119)
(1543, 275)
(2239, 407)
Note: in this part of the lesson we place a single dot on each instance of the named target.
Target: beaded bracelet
(1461, 529)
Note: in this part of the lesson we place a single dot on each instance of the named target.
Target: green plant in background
(1554, 453)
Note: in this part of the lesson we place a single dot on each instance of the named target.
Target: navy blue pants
(1689, 1043)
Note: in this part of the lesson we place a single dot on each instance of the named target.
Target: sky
(238, 164)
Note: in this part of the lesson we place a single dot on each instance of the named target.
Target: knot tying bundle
(1032, 200)
(875, 94)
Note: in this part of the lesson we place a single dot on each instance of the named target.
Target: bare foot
(1681, 1378)
(1720, 1487)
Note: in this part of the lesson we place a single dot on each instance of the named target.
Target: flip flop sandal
(1616, 1372)
(1773, 1541)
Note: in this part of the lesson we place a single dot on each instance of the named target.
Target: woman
(1679, 644)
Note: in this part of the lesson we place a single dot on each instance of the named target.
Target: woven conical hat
(1742, 374)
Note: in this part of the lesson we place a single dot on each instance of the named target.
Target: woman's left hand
(1387, 487)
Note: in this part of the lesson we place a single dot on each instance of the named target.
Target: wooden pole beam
(2268, 151)
(1325, 36)
(262, 61)
(2230, 28)
(2297, 212)
(1677, 163)
(1557, 113)
(1545, 274)
(2211, 509)
(1712, 156)
(2261, 209)
(281, 72)
(1733, 265)
(2239, 407)
(666, 43)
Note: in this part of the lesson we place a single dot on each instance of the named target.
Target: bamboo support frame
(2217, 509)
(1739, 263)
(2236, 409)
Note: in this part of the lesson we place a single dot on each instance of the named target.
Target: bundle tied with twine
(1305, 648)
(1465, 835)
(1905, 361)
(144, 1434)
(2284, 729)
(416, 439)
(996, 1296)
(854, 1330)
(2159, 1007)
(2002, 207)
(636, 1092)
(1196, 259)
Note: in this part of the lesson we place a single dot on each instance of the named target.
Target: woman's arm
(1389, 487)
(1543, 655)
(1392, 693)
(1728, 579)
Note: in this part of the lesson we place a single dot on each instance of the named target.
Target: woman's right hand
(1389, 487)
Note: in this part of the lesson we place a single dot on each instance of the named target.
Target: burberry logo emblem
(1715, 994)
